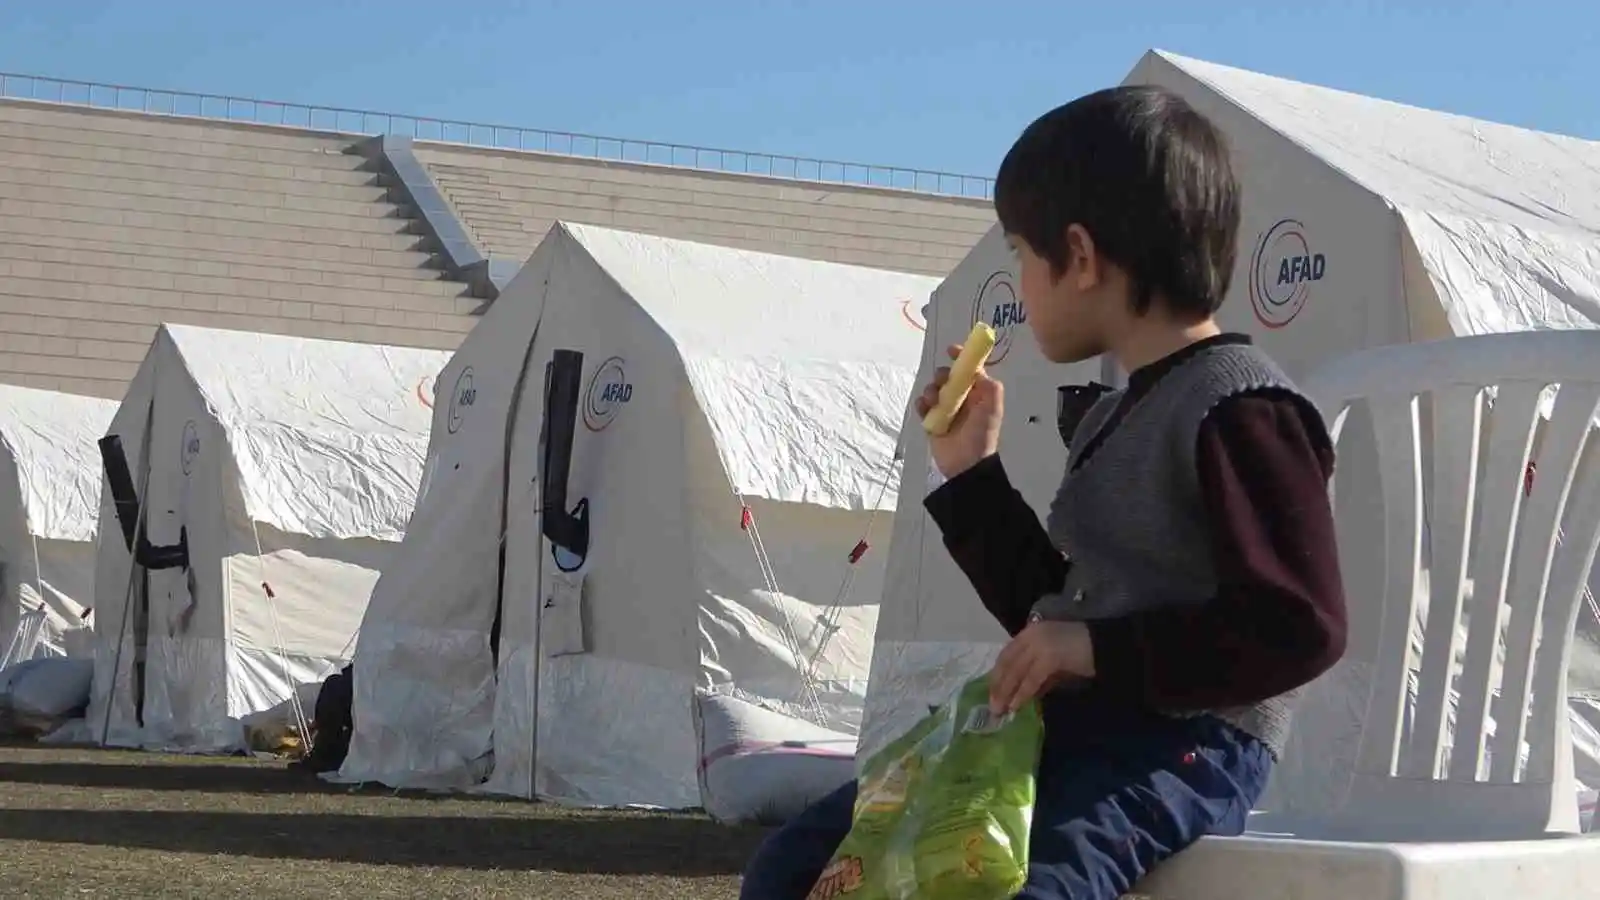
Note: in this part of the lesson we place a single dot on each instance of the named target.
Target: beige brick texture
(112, 223)
(509, 199)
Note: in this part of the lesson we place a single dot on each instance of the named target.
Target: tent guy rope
(300, 720)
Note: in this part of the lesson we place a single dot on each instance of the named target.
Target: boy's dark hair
(1146, 175)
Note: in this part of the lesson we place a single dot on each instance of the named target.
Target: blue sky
(930, 84)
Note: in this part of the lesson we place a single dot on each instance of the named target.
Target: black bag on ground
(331, 724)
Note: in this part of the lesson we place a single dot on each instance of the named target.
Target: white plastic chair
(1424, 820)
(25, 640)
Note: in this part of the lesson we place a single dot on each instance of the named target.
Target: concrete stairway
(111, 223)
(508, 200)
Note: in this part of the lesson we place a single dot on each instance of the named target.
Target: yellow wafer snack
(962, 373)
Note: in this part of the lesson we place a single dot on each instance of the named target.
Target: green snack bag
(943, 812)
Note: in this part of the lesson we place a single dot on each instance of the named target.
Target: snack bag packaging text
(943, 812)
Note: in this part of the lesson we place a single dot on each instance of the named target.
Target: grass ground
(91, 823)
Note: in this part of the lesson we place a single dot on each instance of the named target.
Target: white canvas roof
(802, 379)
(717, 383)
(49, 506)
(1506, 219)
(329, 436)
(291, 466)
(50, 437)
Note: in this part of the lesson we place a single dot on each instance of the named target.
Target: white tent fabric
(291, 464)
(1364, 223)
(1473, 197)
(49, 509)
(718, 384)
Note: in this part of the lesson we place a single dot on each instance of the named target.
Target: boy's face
(1065, 310)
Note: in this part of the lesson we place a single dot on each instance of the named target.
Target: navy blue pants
(1118, 792)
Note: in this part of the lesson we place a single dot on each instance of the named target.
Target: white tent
(1365, 223)
(49, 509)
(290, 467)
(720, 389)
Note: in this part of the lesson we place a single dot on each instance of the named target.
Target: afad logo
(462, 396)
(998, 304)
(609, 389)
(191, 446)
(914, 315)
(1281, 272)
(427, 386)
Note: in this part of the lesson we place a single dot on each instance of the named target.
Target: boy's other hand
(975, 431)
(1041, 656)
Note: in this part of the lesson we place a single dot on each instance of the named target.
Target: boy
(1186, 584)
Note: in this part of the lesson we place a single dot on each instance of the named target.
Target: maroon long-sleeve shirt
(1278, 619)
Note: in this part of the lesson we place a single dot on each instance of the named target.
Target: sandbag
(760, 766)
(39, 694)
(78, 643)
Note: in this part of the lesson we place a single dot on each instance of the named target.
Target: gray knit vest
(1131, 518)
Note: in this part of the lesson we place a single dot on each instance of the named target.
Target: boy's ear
(1084, 265)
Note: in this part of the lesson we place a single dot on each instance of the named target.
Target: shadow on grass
(589, 844)
(198, 776)
(216, 778)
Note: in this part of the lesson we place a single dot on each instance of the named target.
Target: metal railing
(503, 137)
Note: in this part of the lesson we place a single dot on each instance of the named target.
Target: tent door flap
(125, 497)
(568, 531)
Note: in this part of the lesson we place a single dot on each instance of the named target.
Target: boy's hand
(1040, 657)
(975, 431)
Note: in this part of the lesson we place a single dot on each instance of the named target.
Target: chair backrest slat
(1395, 425)
(1569, 577)
(1457, 422)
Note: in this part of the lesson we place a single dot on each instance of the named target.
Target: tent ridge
(1173, 60)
